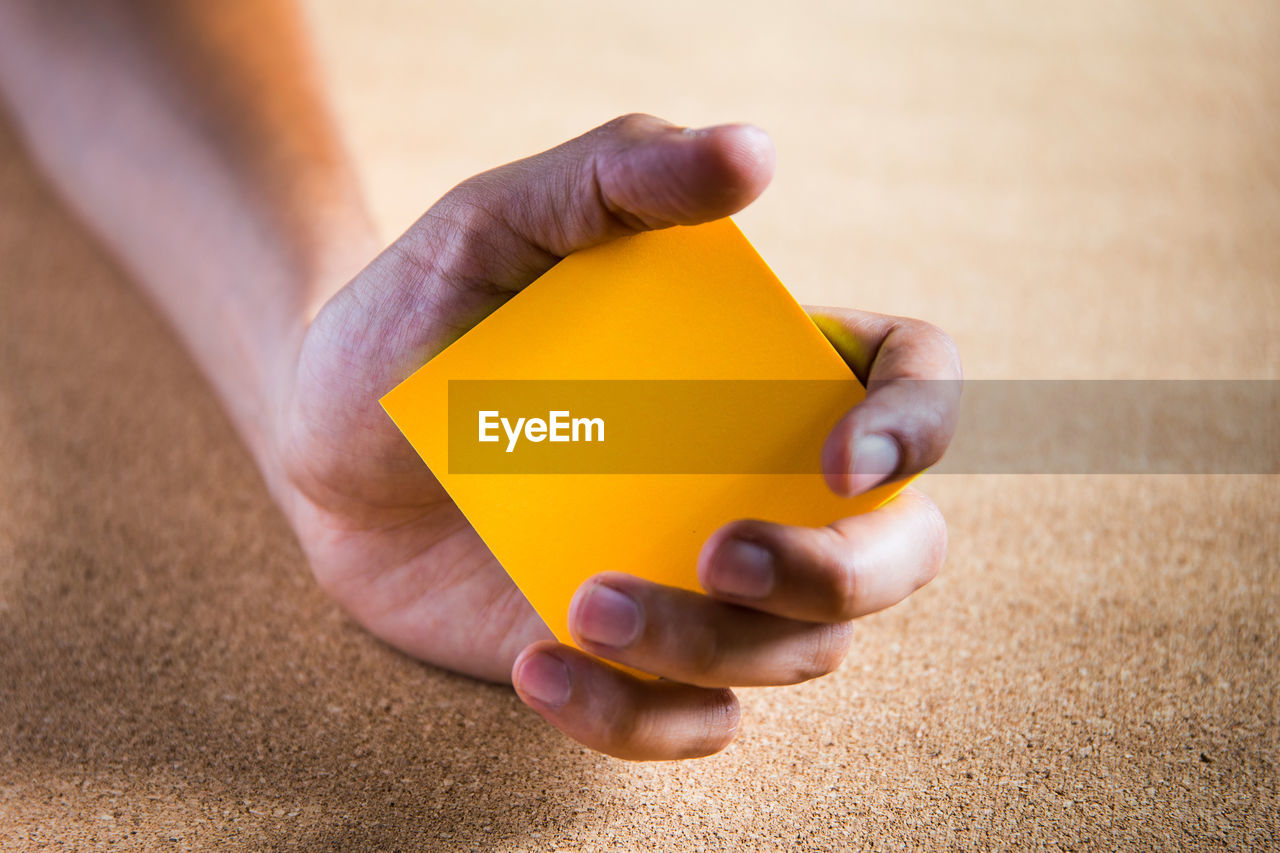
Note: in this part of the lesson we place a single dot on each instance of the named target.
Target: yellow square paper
(694, 303)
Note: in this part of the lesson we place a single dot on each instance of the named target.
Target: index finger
(911, 370)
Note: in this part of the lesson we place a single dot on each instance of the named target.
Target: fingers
(854, 567)
(635, 173)
(688, 637)
(496, 232)
(783, 598)
(778, 610)
(912, 373)
(620, 714)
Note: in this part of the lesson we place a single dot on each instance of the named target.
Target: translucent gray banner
(777, 426)
(1116, 427)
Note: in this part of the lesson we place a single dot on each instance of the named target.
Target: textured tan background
(1082, 191)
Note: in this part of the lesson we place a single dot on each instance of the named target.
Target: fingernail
(875, 458)
(608, 617)
(741, 569)
(546, 678)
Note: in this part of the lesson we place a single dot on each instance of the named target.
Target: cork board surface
(1083, 192)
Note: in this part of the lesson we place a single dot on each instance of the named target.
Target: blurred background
(1085, 190)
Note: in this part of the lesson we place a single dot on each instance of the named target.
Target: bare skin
(192, 138)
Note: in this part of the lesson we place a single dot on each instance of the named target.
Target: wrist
(344, 243)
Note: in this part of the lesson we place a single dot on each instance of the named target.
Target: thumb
(487, 238)
(635, 173)
(498, 231)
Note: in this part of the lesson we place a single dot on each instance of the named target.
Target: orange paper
(694, 303)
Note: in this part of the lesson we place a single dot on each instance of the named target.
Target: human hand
(387, 543)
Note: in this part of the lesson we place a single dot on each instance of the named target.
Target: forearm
(191, 137)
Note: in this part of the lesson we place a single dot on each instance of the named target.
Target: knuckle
(845, 589)
(469, 206)
(452, 240)
(706, 727)
(703, 652)
(924, 437)
(715, 727)
(841, 567)
(721, 721)
(935, 533)
(825, 653)
(630, 124)
(944, 343)
(623, 728)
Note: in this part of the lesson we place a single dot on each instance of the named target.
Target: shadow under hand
(168, 670)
